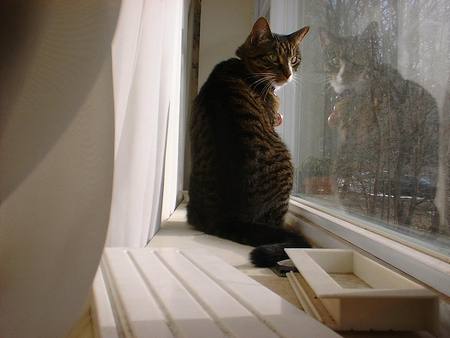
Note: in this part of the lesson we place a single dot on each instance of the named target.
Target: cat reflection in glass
(387, 158)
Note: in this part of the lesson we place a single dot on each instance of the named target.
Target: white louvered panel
(278, 314)
(105, 324)
(188, 317)
(165, 292)
(232, 315)
(139, 313)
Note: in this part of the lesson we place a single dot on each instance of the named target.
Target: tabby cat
(388, 132)
(241, 173)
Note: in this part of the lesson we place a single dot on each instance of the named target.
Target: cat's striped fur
(242, 174)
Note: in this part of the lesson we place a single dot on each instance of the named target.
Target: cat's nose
(287, 73)
(341, 73)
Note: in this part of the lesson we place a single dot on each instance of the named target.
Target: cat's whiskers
(267, 88)
(262, 78)
(259, 81)
(325, 81)
(297, 78)
(258, 75)
(263, 83)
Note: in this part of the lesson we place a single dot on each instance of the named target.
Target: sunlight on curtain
(146, 68)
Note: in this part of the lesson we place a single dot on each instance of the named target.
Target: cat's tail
(268, 255)
(270, 241)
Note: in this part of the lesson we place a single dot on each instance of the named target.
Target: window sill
(175, 232)
(425, 268)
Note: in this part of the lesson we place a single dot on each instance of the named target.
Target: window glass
(367, 120)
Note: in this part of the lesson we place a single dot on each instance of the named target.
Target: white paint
(199, 295)
(388, 302)
(419, 265)
(316, 264)
(102, 312)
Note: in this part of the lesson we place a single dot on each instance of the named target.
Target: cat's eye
(294, 60)
(272, 58)
(334, 61)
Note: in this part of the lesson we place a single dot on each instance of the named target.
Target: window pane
(368, 119)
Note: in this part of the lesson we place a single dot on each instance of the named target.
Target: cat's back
(416, 108)
(402, 90)
(211, 110)
(225, 81)
(212, 123)
(222, 109)
(212, 142)
(238, 159)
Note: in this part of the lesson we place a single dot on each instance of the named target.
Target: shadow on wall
(50, 62)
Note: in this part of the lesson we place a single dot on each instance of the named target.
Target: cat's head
(350, 60)
(272, 56)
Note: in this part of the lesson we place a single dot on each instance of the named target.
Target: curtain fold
(146, 66)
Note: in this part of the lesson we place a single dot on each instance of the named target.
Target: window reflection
(374, 110)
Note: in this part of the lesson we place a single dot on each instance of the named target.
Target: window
(367, 120)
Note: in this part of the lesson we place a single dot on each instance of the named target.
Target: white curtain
(146, 69)
(58, 107)
(56, 159)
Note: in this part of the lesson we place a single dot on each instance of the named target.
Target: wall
(224, 27)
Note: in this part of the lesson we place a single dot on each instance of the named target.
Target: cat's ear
(298, 36)
(325, 37)
(260, 31)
